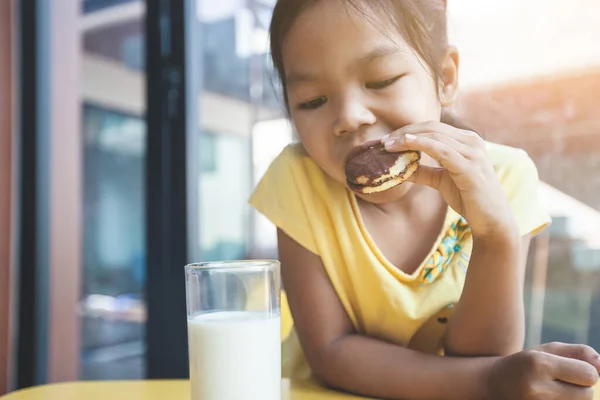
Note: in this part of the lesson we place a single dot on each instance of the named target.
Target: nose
(352, 114)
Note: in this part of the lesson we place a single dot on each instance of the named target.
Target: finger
(401, 143)
(575, 351)
(562, 390)
(428, 176)
(466, 137)
(444, 152)
(572, 371)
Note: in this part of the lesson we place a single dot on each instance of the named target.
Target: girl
(414, 292)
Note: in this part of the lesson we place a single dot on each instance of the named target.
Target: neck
(417, 198)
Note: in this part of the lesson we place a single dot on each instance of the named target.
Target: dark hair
(422, 23)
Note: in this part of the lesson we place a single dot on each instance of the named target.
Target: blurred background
(132, 133)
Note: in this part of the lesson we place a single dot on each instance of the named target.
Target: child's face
(349, 83)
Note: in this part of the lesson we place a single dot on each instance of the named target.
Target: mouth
(361, 148)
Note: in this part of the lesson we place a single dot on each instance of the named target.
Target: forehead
(332, 32)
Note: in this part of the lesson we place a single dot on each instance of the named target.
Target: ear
(449, 78)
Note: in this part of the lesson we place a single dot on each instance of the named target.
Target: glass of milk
(234, 330)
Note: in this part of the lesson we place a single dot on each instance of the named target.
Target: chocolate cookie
(370, 168)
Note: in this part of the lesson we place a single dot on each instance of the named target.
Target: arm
(348, 361)
(489, 318)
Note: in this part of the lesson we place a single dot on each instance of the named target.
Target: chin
(386, 196)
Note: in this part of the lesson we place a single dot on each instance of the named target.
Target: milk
(235, 355)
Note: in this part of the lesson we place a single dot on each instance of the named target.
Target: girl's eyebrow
(378, 53)
(295, 78)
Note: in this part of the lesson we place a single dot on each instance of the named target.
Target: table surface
(159, 390)
(155, 390)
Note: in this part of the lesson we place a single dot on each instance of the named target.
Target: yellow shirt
(382, 301)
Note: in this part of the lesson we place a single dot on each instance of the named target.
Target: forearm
(369, 367)
(489, 318)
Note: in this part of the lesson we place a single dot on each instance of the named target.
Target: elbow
(328, 368)
(320, 369)
(333, 379)
(325, 377)
(324, 370)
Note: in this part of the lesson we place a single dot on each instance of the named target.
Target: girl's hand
(553, 371)
(465, 176)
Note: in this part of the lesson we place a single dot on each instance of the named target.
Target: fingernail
(390, 143)
(409, 138)
(385, 138)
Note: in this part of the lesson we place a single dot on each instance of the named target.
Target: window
(235, 101)
(518, 92)
(113, 308)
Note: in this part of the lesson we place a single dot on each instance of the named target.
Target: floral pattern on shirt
(450, 245)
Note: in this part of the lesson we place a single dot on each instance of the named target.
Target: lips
(361, 148)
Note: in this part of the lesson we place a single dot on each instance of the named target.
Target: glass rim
(260, 264)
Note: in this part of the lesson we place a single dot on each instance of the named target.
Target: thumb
(428, 176)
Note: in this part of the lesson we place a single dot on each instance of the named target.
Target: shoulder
(287, 192)
(293, 152)
(514, 167)
(293, 158)
(519, 178)
(505, 157)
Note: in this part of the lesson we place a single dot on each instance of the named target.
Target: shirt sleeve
(281, 197)
(520, 180)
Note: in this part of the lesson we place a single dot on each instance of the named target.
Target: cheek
(415, 101)
(312, 133)
(319, 144)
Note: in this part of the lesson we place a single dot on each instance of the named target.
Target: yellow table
(154, 390)
(159, 390)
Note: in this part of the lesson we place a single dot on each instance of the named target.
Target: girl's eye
(313, 104)
(382, 84)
